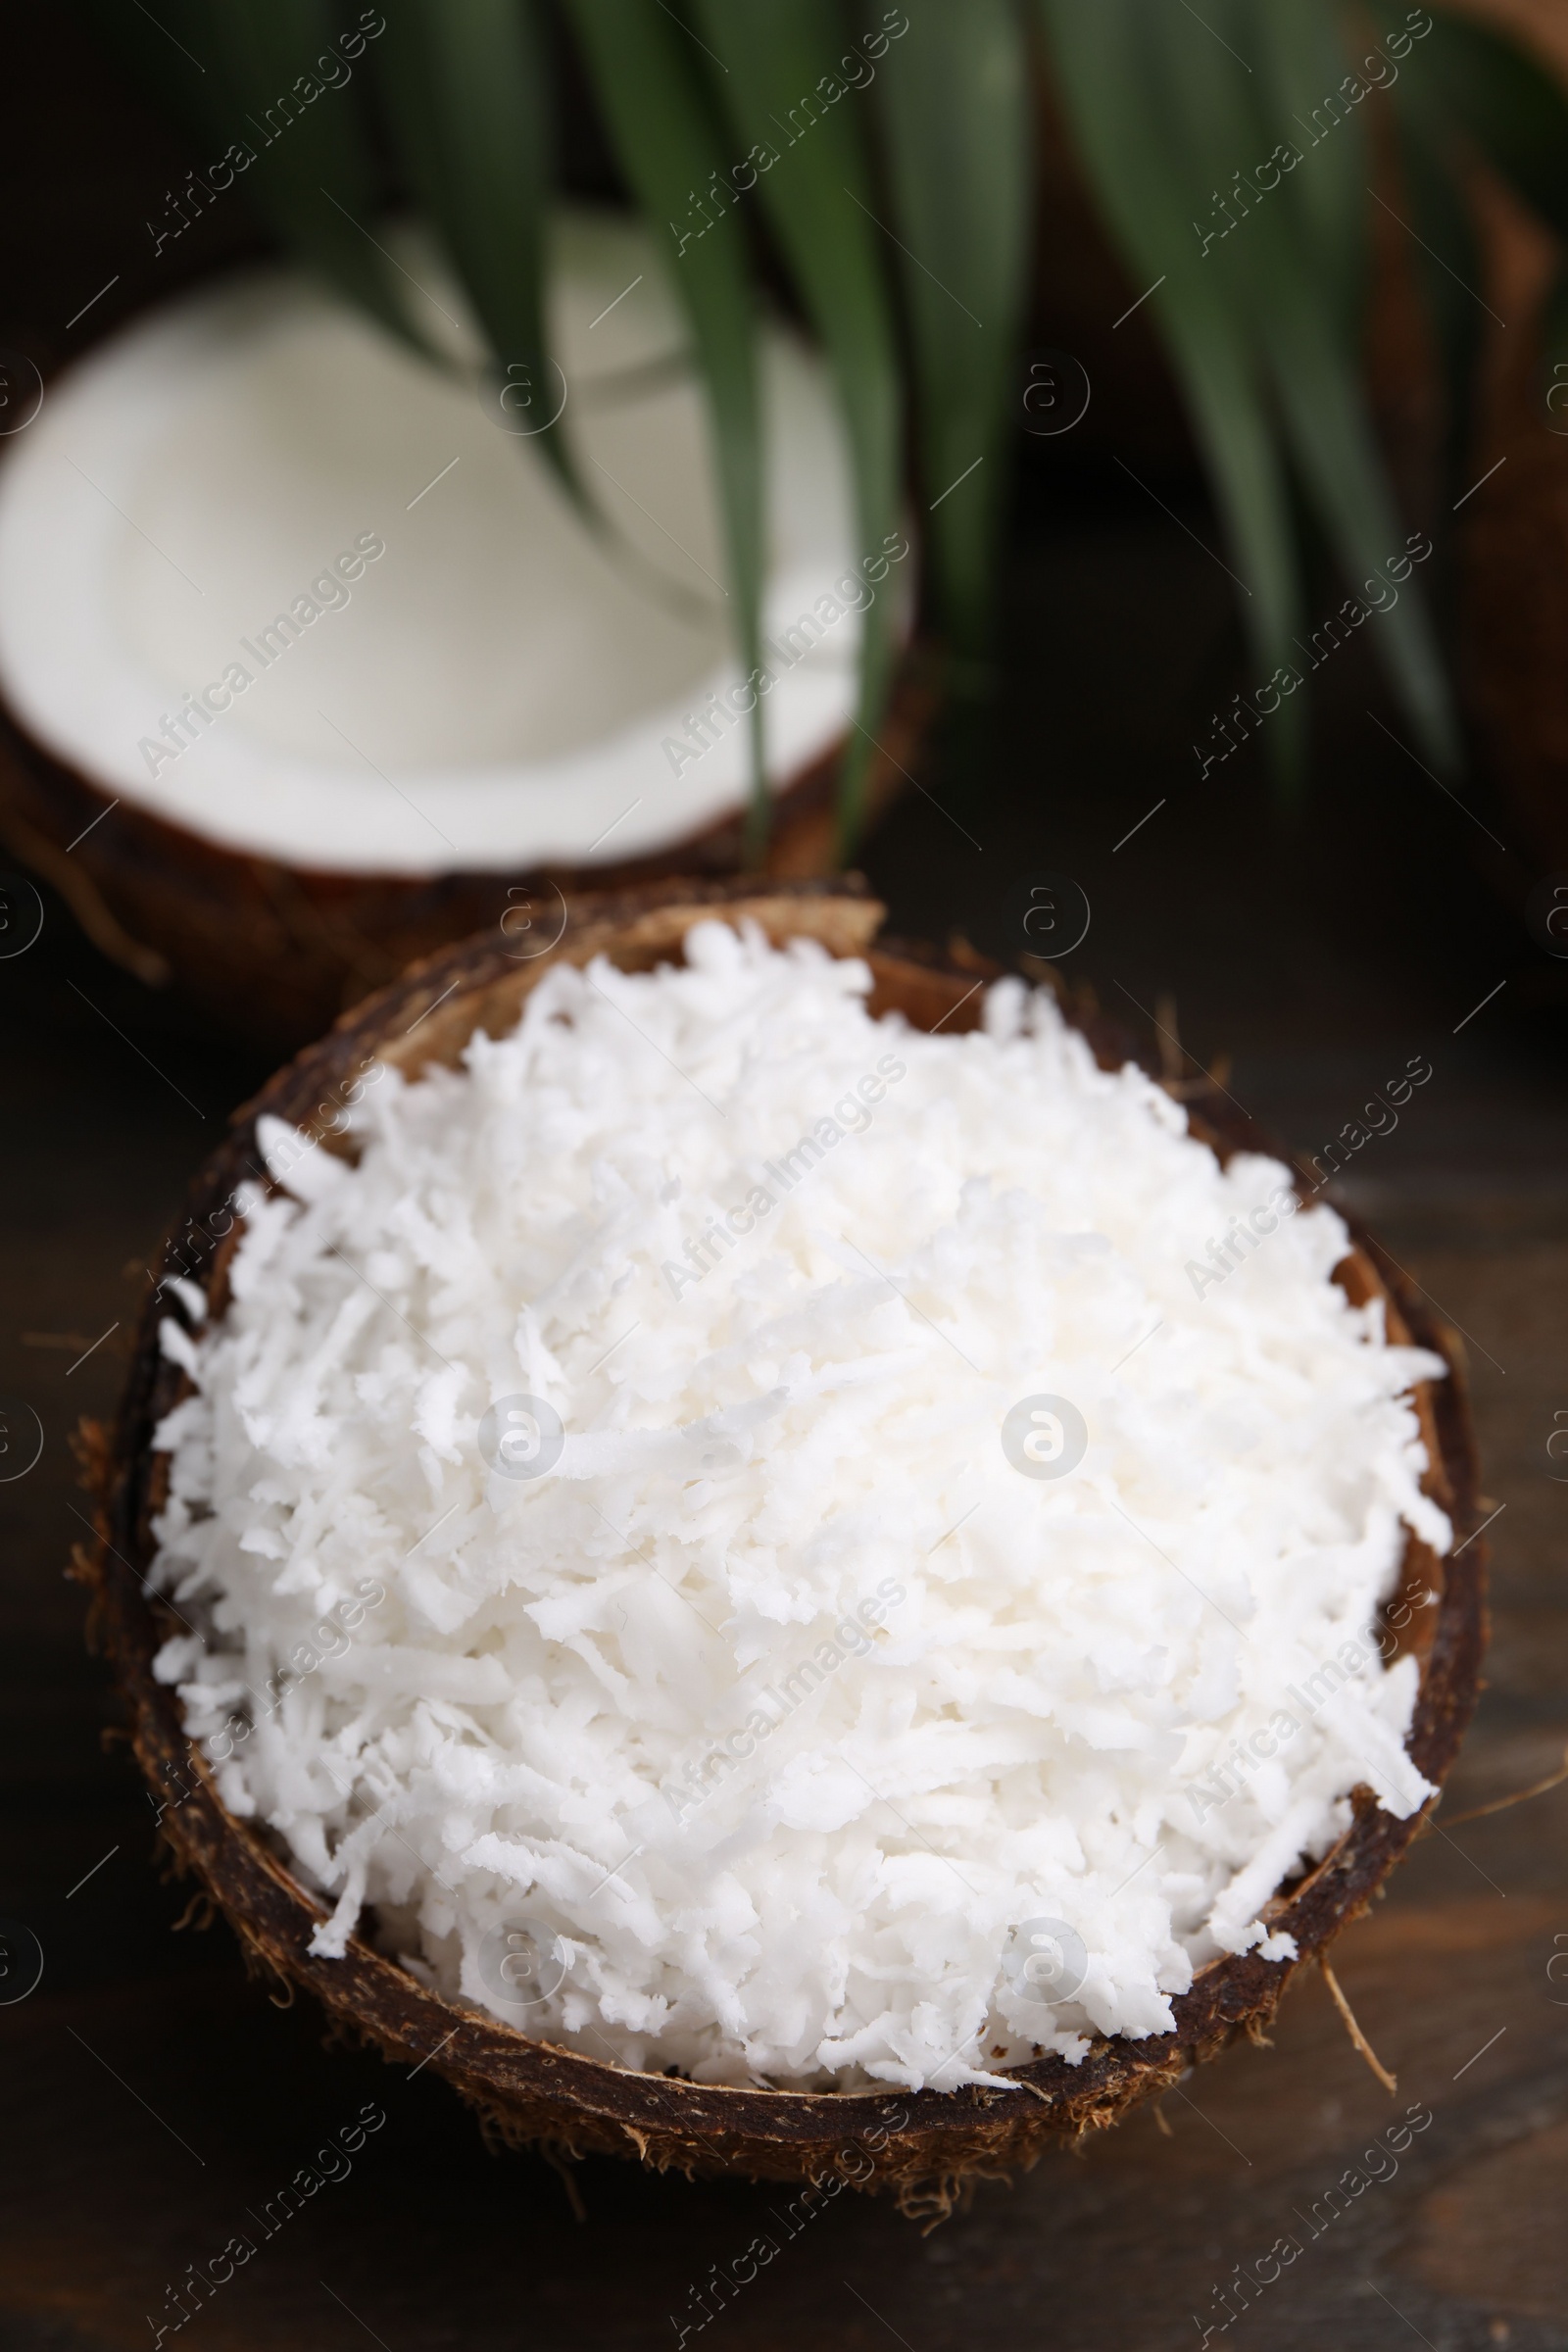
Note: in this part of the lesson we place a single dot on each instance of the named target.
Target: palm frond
(1479, 94)
(1509, 106)
(814, 184)
(1120, 110)
(1296, 264)
(1226, 149)
(314, 178)
(464, 84)
(1241, 125)
(953, 101)
(669, 140)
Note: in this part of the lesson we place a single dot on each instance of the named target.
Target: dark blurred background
(152, 2094)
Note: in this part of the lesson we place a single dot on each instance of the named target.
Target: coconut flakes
(780, 1723)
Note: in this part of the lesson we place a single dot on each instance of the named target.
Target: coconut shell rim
(537, 2092)
(274, 949)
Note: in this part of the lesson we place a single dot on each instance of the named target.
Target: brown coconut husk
(275, 952)
(918, 2145)
(1514, 547)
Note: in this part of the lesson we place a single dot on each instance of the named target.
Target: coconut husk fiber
(917, 2146)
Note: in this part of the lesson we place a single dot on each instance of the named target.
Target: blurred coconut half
(316, 619)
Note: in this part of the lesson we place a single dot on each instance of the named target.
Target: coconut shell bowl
(463, 717)
(916, 2145)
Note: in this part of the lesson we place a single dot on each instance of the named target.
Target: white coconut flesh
(498, 687)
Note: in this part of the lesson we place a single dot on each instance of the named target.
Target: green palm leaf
(1316, 355)
(1120, 111)
(243, 76)
(1509, 106)
(1298, 58)
(669, 142)
(465, 83)
(1306, 318)
(775, 74)
(1271, 164)
(1257, 286)
(314, 179)
(953, 101)
(1477, 92)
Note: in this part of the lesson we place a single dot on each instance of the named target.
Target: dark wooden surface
(152, 2100)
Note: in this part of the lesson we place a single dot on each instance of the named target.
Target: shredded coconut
(615, 1567)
